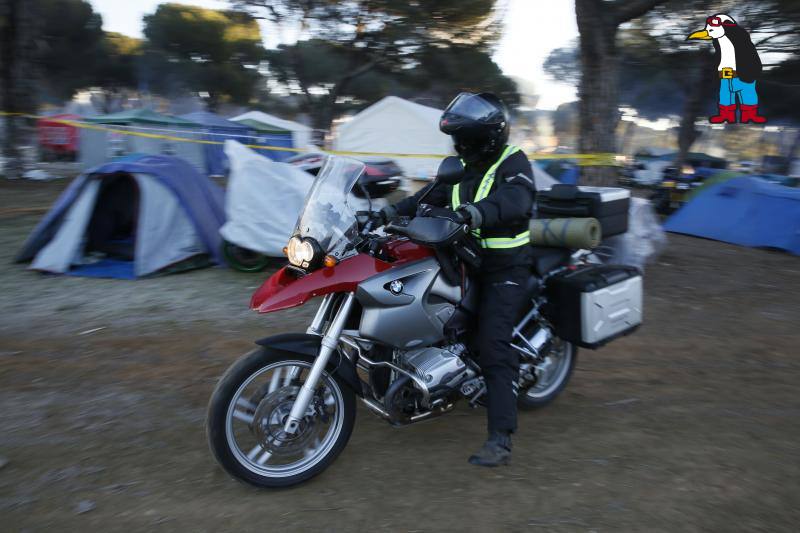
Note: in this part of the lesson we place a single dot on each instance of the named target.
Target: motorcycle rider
(496, 199)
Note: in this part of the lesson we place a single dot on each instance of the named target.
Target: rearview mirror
(451, 171)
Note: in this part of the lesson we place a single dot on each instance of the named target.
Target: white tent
(264, 199)
(301, 134)
(395, 125)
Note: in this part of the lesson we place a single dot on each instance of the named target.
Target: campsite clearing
(690, 424)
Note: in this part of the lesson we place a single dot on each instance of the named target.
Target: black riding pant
(502, 304)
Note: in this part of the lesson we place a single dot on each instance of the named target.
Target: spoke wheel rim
(558, 362)
(255, 455)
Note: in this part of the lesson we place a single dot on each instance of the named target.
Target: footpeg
(473, 402)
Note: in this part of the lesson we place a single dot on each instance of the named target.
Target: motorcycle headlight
(303, 253)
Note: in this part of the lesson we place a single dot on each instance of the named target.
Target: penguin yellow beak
(702, 34)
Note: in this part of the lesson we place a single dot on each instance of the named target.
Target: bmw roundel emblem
(396, 286)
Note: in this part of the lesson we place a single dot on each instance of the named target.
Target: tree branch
(631, 9)
(779, 34)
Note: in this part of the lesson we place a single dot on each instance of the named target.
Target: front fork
(329, 343)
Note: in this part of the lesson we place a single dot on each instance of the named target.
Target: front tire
(559, 364)
(248, 408)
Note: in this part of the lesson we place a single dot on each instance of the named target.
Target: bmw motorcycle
(392, 329)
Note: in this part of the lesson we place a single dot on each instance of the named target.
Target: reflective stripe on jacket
(482, 192)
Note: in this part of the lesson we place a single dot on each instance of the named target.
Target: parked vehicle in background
(746, 167)
(778, 164)
(695, 162)
(677, 188)
(381, 177)
(645, 167)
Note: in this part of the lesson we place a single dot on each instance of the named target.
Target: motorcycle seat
(546, 259)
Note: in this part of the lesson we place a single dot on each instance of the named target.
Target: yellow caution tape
(608, 159)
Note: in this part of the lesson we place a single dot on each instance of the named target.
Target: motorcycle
(392, 329)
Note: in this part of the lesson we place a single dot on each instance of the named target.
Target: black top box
(609, 205)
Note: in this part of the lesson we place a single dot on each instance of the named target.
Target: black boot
(495, 452)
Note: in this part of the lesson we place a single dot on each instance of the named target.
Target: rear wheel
(552, 375)
(248, 411)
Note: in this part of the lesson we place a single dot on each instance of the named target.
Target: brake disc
(270, 419)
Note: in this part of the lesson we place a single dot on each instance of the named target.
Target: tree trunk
(627, 137)
(695, 99)
(10, 19)
(598, 22)
(599, 87)
(16, 71)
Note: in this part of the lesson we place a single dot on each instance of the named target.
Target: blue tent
(564, 170)
(219, 129)
(267, 135)
(132, 217)
(748, 211)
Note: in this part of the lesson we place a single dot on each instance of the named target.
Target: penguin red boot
(750, 114)
(727, 113)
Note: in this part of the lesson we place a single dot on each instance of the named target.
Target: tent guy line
(599, 159)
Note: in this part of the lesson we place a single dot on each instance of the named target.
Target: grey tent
(133, 217)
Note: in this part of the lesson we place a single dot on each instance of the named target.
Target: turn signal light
(285, 250)
(330, 261)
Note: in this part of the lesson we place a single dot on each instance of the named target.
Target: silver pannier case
(592, 305)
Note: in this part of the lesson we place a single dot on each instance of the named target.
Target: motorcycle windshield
(327, 216)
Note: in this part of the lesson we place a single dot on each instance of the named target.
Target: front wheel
(552, 375)
(248, 411)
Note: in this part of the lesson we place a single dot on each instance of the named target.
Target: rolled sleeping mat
(566, 232)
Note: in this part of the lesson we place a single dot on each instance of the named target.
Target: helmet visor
(471, 106)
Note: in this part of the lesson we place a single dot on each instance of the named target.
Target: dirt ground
(691, 424)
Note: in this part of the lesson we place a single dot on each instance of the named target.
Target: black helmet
(478, 124)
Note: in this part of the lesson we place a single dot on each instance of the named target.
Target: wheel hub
(270, 419)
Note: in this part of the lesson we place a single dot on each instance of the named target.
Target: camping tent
(272, 131)
(747, 211)
(271, 136)
(264, 199)
(218, 129)
(136, 216)
(395, 125)
(98, 146)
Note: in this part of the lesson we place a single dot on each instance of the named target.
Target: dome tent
(136, 216)
(747, 211)
(218, 129)
(396, 125)
(274, 131)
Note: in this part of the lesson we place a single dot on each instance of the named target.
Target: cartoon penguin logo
(738, 65)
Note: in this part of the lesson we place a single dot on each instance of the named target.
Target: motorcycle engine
(441, 369)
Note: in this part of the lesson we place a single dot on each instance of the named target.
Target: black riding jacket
(505, 212)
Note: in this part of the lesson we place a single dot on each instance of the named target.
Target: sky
(532, 28)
